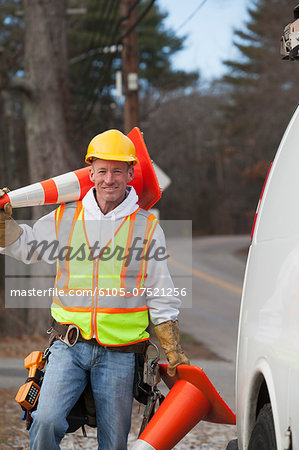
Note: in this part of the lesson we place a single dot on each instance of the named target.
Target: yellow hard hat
(111, 145)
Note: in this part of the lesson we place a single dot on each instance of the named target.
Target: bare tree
(46, 87)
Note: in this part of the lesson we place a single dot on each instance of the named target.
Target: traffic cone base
(141, 445)
(151, 191)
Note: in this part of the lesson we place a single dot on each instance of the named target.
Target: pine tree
(263, 90)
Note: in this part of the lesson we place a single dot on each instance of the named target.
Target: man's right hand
(9, 229)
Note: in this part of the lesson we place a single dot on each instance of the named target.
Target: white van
(267, 382)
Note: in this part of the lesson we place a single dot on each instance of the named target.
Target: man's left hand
(9, 229)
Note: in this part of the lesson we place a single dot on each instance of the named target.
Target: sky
(209, 31)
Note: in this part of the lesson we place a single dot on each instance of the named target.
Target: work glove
(9, 229)
(176, 329)
(168, 334)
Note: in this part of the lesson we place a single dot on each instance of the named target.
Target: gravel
(14, 436)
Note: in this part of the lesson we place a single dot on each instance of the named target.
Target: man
(120, 289)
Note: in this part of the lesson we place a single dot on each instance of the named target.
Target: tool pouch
(147, 374)
(141, 389)
(83, 412)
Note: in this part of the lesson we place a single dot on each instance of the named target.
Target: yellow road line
(206, 277)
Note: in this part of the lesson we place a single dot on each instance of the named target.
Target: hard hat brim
(129, 159)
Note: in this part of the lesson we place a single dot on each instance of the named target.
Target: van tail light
(260, 200)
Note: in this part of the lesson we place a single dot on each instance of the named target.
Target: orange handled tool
(28, 393)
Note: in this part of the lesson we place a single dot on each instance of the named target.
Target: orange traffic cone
(73, 186)
(192, 397)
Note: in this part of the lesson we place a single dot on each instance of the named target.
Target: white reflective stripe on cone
(22, 196)
(141, 445)
(68, 187)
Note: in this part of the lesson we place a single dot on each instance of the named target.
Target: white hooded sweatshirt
(158, 280)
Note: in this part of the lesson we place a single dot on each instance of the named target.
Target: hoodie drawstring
(113, 219)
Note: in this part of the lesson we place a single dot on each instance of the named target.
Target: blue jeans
(67, 373)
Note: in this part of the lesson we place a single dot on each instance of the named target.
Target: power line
(191, 15)
(96, 51)
(132, 7)
(97, 86)
(108, 40)
(96, 38)
(113, 48)
(142, 15)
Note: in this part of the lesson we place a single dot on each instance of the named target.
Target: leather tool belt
(70, 334)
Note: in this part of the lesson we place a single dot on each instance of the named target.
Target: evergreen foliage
(262, 92)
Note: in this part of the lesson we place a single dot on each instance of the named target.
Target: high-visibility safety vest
(102, 295)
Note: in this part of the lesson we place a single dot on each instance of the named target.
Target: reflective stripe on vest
(102, 294)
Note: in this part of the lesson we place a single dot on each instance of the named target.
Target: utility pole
(130, 66)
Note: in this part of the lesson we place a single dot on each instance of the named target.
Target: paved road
(218, 273)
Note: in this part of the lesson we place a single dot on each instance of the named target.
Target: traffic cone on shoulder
(192, 398)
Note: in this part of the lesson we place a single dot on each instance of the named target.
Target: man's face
(110, 179)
